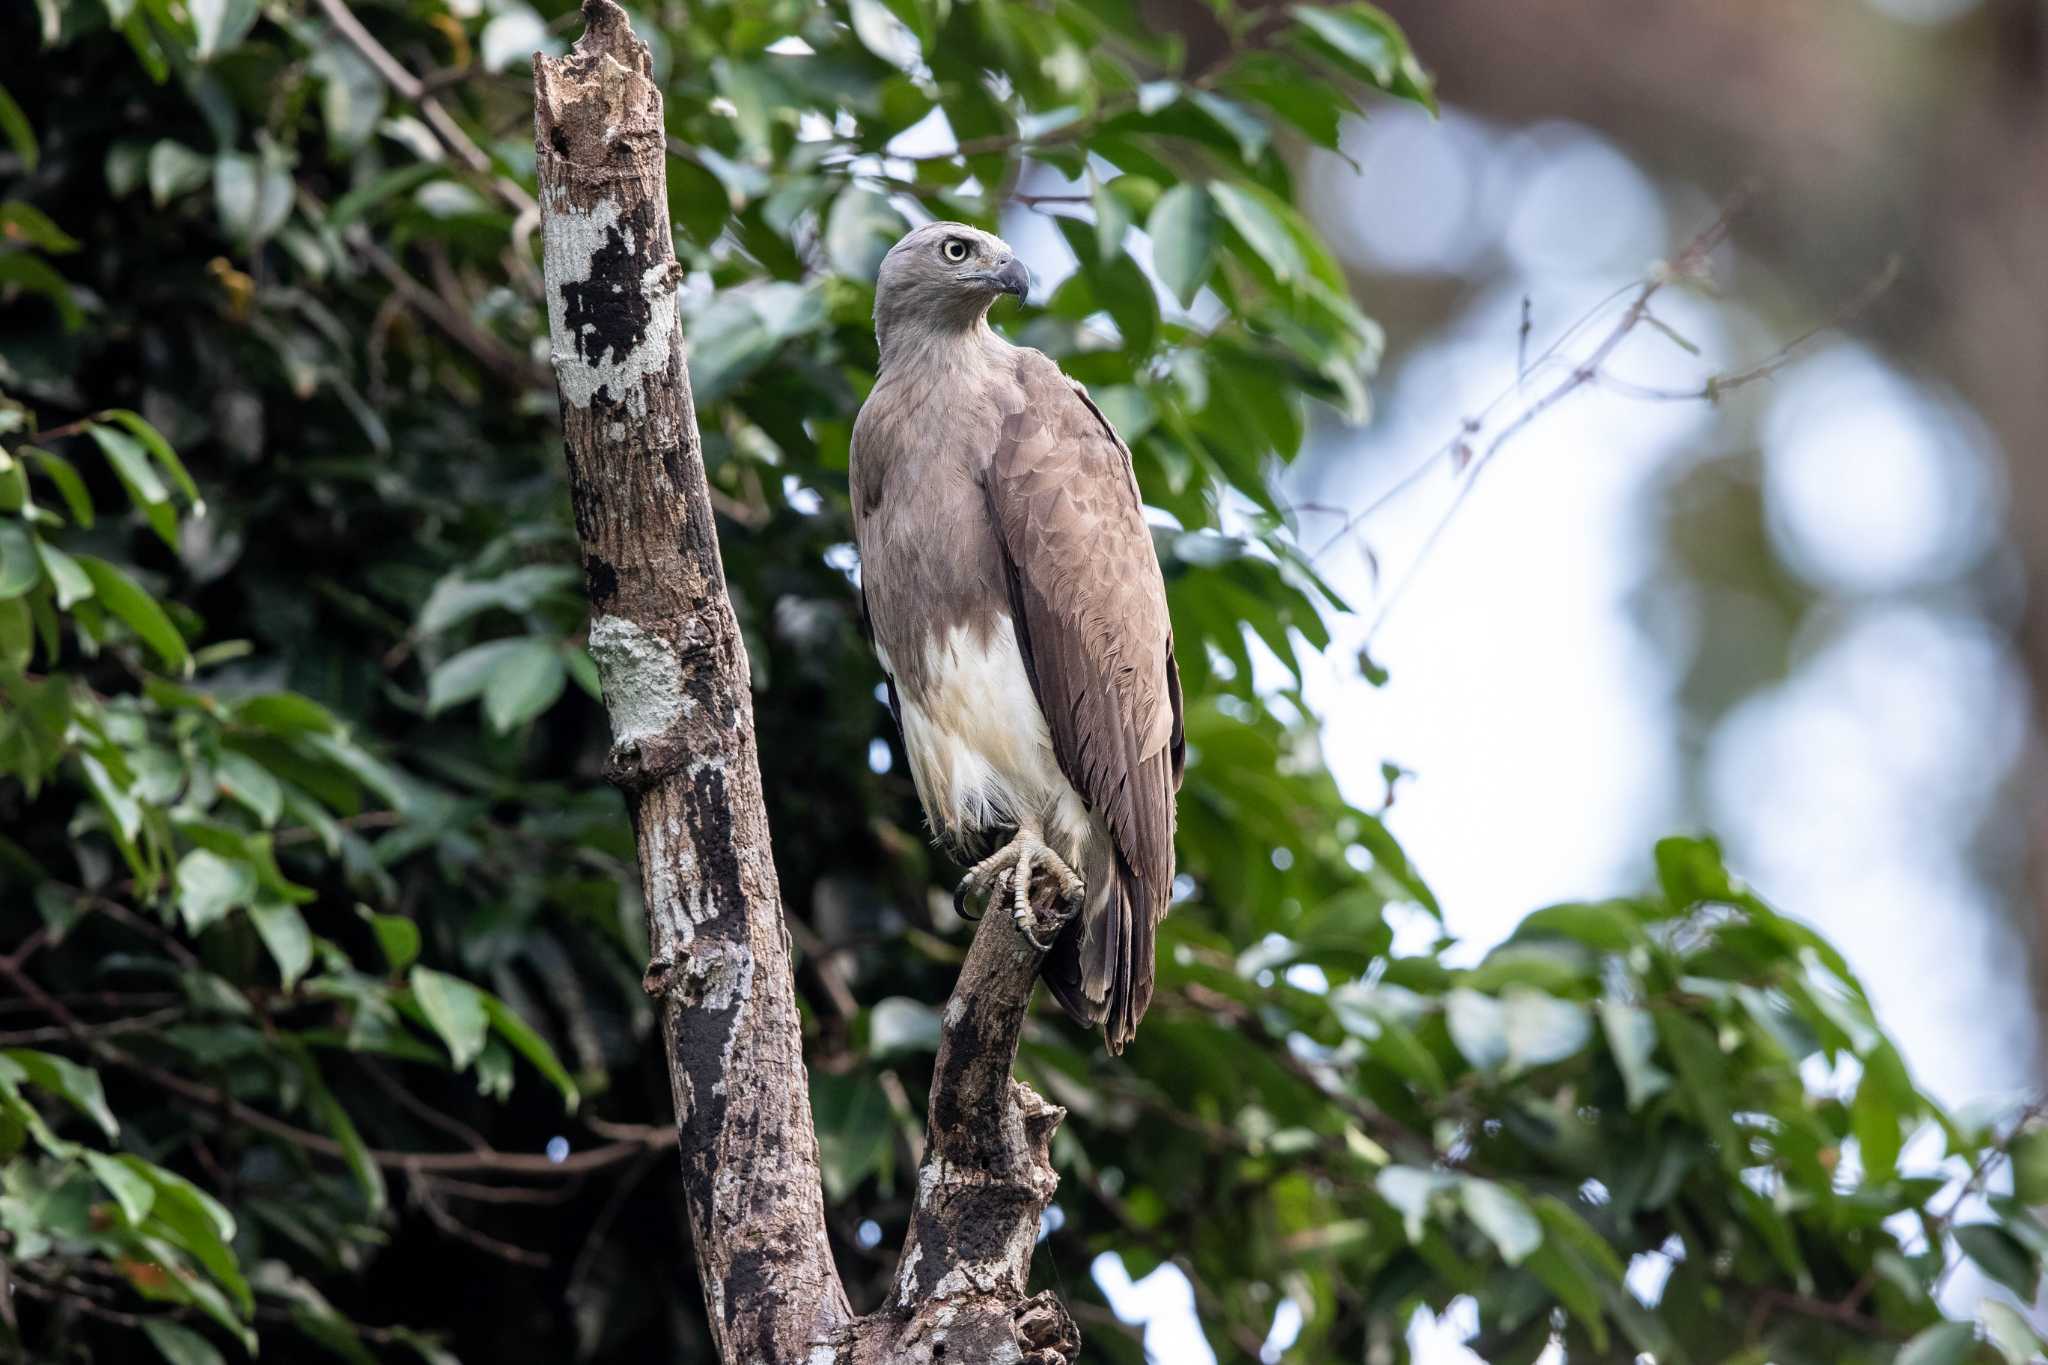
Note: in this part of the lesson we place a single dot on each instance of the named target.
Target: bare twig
(414, 91)
(424, 1198)
(1469, 461)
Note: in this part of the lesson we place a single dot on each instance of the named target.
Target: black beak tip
(1013, 278)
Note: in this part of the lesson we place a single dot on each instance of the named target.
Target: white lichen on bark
(642, 677)
(571, 238)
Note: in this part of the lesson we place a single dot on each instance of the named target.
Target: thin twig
(414, 91)
(423, 1196)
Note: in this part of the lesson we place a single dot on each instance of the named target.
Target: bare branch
(1468, 460)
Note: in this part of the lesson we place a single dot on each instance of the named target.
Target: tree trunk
(676, 687)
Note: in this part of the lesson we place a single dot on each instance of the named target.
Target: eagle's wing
(1090, 614)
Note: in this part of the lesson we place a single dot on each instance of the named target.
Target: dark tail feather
(1061, 972)
(1100, 968)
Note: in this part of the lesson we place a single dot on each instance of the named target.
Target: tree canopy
(323, 1025)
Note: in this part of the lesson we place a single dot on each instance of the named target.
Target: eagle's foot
(1012, 865)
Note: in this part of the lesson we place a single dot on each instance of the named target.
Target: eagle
(1013, 597)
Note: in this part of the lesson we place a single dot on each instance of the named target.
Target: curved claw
(1042, 945)
(961, 894)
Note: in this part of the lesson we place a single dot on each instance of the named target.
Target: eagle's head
(946, 274)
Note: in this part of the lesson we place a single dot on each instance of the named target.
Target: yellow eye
(954, 249)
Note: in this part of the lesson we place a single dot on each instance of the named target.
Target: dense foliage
(320, 1012)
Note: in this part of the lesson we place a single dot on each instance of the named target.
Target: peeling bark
(676, 687)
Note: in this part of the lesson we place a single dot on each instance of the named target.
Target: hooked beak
(1013, 278)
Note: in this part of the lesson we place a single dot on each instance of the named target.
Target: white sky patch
(1873, 484)
(1163, 1302)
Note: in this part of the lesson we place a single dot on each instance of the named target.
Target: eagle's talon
(962, 893)
(1025, 926)
(1008, 872)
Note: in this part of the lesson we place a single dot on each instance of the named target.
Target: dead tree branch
(676, 687)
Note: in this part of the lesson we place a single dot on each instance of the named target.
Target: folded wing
(1091, 620)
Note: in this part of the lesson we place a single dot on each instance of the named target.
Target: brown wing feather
(1090, 614)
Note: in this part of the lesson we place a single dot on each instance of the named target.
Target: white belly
(979, 750)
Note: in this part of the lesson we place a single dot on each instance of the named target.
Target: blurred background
(1808, 616)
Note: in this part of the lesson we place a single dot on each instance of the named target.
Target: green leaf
(17, 635)
(252, 197)
(175, 170)
(455, 598)
(1505, 1219)
(2001, 1256)
(859, 230)
(1478, 1027)
(356, 1153)
(1257, 216)
(1875, 1115)
(210, 885)
(250, 785)
(1702, 1075)
(134, 1194)
(1945, 1343)
(283, 931)
(79, 1085)
(352, 96)
(392, 183)
(530, 1045)
(67, 579)
(464, 677)
(159, 450)
(1112, 221)
(70, 486)
(220, 24)
(131, 462)
(1355, 35)
(124, 597)
(1183, 232)
(455, 1009)
(14, 124)
(2009, 1332)
(176, 1193)
(1370, 44)
(20, 568)
(179, 1345)
(1541, 1028)
(1632, 1039)
(21, 222)
(2029, 1152)
(26, 270)
(525, 683)
(1412, 1192)
(1567, 1277)
(397, 937)
(1690, 871)
(285, 713)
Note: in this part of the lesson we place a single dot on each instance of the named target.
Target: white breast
(979, 750)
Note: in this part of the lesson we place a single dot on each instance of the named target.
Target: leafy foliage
(322, 916)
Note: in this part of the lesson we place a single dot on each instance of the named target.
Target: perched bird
(1010, 587)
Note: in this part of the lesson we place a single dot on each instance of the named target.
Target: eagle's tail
(1100, 967)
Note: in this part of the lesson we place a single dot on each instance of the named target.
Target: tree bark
(676, 687)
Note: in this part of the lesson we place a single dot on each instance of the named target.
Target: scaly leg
(1018, 858)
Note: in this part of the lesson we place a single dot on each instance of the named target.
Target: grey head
(942, 277)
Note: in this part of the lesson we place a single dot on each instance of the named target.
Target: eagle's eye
(954, 249)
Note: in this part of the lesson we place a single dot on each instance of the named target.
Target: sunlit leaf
(455, 1009)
